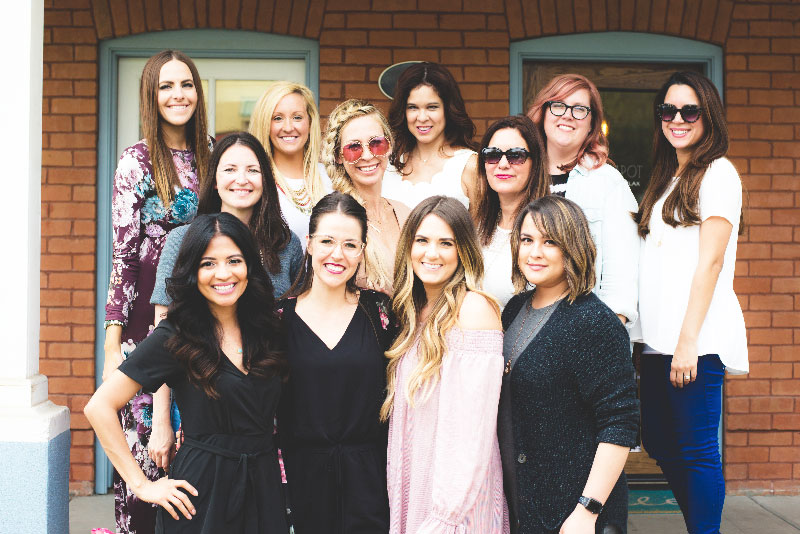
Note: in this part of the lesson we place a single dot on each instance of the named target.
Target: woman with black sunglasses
(512, 174)
(569, 114)
(691, 320)
(356, 148)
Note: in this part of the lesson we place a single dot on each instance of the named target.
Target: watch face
(594, 506)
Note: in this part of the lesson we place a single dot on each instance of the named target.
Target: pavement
(765, 515)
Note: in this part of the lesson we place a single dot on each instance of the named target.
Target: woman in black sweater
(568, 411)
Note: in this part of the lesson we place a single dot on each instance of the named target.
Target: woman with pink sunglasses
(356, 149)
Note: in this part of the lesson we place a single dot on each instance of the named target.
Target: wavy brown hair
(165, 176)
(486, 210)
(563, 222)
(410, 298)
(196, 343)
(269, 229)
(596, 144)
(683, 200)
(459, 130)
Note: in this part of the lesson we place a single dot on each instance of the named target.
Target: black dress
(228, 454)
(333, 445)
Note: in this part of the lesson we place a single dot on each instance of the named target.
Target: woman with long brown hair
(443, 381)
(691, 320)
(155, 190)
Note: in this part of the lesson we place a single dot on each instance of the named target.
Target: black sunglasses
(668, 112)
(515, 156)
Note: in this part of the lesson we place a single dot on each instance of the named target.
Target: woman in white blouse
(569, 114)
(434, 152)
(286, 121)
(691, 320)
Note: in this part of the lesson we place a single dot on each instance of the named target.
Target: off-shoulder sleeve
(126, 204)
(151, 364)
(466, 429)
(166, 263)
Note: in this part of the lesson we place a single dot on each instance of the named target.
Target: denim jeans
(680, 431)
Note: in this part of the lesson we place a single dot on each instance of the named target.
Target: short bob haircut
(596, 145)
(269, 229)
(562, 221)
(459, 130)
(486, 210)
(335, 202)
(196, 343)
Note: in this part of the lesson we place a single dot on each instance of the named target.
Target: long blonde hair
(165, 176)
(410, 298)
(379, 273)
(261, 122)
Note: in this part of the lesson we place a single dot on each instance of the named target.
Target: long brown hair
(165, 176)
(486, 211)
(684, 197)
(410, 298)
(596, 144)
(459, 130)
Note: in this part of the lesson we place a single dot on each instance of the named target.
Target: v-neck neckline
(319, 339)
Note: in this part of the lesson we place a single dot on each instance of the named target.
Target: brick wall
(471, 37)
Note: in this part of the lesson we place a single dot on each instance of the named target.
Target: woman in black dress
(333, 445)
(221, 351)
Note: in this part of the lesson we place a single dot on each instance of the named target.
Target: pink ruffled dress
(444, 474)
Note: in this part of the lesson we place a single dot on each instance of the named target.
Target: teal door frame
(234, 44)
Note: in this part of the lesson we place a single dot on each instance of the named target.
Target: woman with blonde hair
(569, 114)
(356, 149)
(443, 381)
(286, 121)
(155, 190)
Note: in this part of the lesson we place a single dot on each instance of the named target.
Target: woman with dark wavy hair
(221, 350)
(434, 152)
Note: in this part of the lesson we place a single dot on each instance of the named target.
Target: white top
(669, 258)
(497, 266)
(296, 219)
(606, 200)
(445, 182)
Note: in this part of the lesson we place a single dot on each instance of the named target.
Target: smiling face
(425, 114)
(566, 134)
(331, 261)
(290, 125)
(368, 170)
(177, 94)
(434, 256)
(540, 259)
(504, 178)
(222, 274)
(681, 134)
(239, 181)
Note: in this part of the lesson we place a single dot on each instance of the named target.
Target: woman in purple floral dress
(155, 190)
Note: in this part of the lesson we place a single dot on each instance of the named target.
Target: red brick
(783, 45)
(60, 158)
(746, 387)
(748, 422)
(73, 71)
(73, 35)
(415, 54)
(54, 333)
(82, 437)
(750, 12)
(771, 404)
(784, 454)
(437, 39)
(735, 439)
(751, 285)
(71, 176)
(756, 319)
(786, 216)
(81, 472)
(332, 20)
(54, 297)
(71, 244)
(71, 281)
(771, 438)
(414, 21)
(71, 385)
(771, 62)
(487, 39)
(747, 46)
(747, 454)
(464, 56)
(786, 421)
(785, 251)
(72, 351)
(769, 471)
(737, 405)
(368, 56)
(52, 368)
(81, 455)
(344, 73)
(770, 370)
(785, 387)
(56, 262)
(484, 6)
(771, 28)
(85, 123)
(735, 471)
(769, 336)
(771, 132)
(72, 106)
(441, 5)
(462, 22)
(83, 333)
(746, 487)
(369, 21)
(770, 234)
(82, 368)
(344, 38)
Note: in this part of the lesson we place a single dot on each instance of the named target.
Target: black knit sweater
(572, 388)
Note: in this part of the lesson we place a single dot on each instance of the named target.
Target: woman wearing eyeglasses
(569, 114)
(512, 174)
(356, 149)
(434, 152)
(333, 445)
(691, 320)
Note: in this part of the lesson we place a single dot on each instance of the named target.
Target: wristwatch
(593, 505)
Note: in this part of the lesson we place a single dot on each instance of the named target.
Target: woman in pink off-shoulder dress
(445, 370)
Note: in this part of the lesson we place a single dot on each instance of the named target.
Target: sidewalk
(767, 515)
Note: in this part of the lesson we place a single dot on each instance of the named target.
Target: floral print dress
(141, 223)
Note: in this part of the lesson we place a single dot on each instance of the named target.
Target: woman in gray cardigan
(568, 411)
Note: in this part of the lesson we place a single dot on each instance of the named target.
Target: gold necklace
(300, 198)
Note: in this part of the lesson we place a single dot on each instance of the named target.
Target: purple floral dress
(141, 224)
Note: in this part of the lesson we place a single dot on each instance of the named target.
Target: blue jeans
(679, 431)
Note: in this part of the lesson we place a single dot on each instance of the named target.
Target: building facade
(752, 46)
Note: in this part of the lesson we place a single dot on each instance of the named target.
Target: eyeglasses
(558, 109)
(668, 112)
(326, 244)
(514, 156)
(378, 146)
